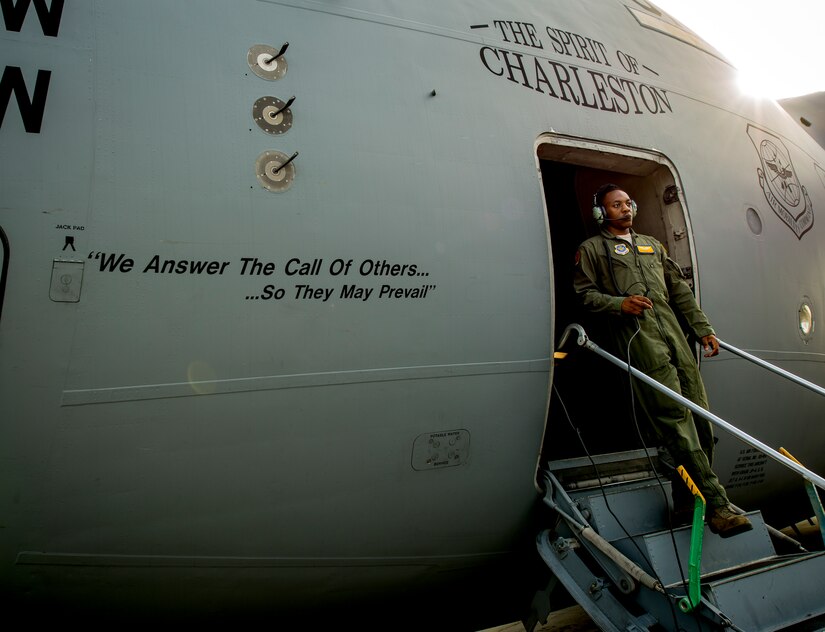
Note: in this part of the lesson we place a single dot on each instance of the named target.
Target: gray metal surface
(717, 553)
(773, 598)
(195, 440)
(639, 508)
(595, 598)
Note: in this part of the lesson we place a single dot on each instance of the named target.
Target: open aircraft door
(572, 169)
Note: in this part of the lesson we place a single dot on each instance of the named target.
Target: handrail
(772, 367)
(816, 503)
(697, 532)
(583, 341)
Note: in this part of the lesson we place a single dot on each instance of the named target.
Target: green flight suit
(608, 269)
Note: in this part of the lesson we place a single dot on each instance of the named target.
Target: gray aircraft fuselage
(234, 381)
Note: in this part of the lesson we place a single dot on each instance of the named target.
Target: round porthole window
(806, 319)
(754, 221)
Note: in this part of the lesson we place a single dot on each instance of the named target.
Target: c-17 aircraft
(283, 280)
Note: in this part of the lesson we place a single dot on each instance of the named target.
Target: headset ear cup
(598, 214)
(633, 208)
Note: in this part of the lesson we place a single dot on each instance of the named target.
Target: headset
(599, 212)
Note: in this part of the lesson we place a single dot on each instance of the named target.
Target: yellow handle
(784, 452)
(689, 482)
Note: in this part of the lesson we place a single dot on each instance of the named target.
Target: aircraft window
(754, 221)
(806, 319)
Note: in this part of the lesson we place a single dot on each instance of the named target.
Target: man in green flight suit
(629, 283)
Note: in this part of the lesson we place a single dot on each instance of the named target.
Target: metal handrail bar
(584, 341)
(771, 367)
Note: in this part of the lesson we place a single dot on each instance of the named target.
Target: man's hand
(711, 345)
(635, 305)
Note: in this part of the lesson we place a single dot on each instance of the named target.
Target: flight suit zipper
(640, 267)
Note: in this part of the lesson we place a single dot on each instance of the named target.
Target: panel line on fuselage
(379, 18)
(79, 397)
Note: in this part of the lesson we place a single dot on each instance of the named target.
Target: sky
(778, 46)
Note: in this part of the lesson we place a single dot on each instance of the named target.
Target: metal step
(580, 472)
(745, 585)
(718, 554)
(640, 507)
(633, 499)
(774, 597)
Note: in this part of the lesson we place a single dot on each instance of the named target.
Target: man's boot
(726, 523)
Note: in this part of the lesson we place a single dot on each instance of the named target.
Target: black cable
(609, 508)
(638, 430)
(630, 381)
(652, 467)
(650, 462)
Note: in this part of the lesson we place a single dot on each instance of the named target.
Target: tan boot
(726, 523)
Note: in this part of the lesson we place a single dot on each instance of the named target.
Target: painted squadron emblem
(621, 249)
(778, 181)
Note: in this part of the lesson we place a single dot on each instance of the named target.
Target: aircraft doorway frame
(4, 268)
(570, 170)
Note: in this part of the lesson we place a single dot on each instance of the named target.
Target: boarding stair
(615, 547)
